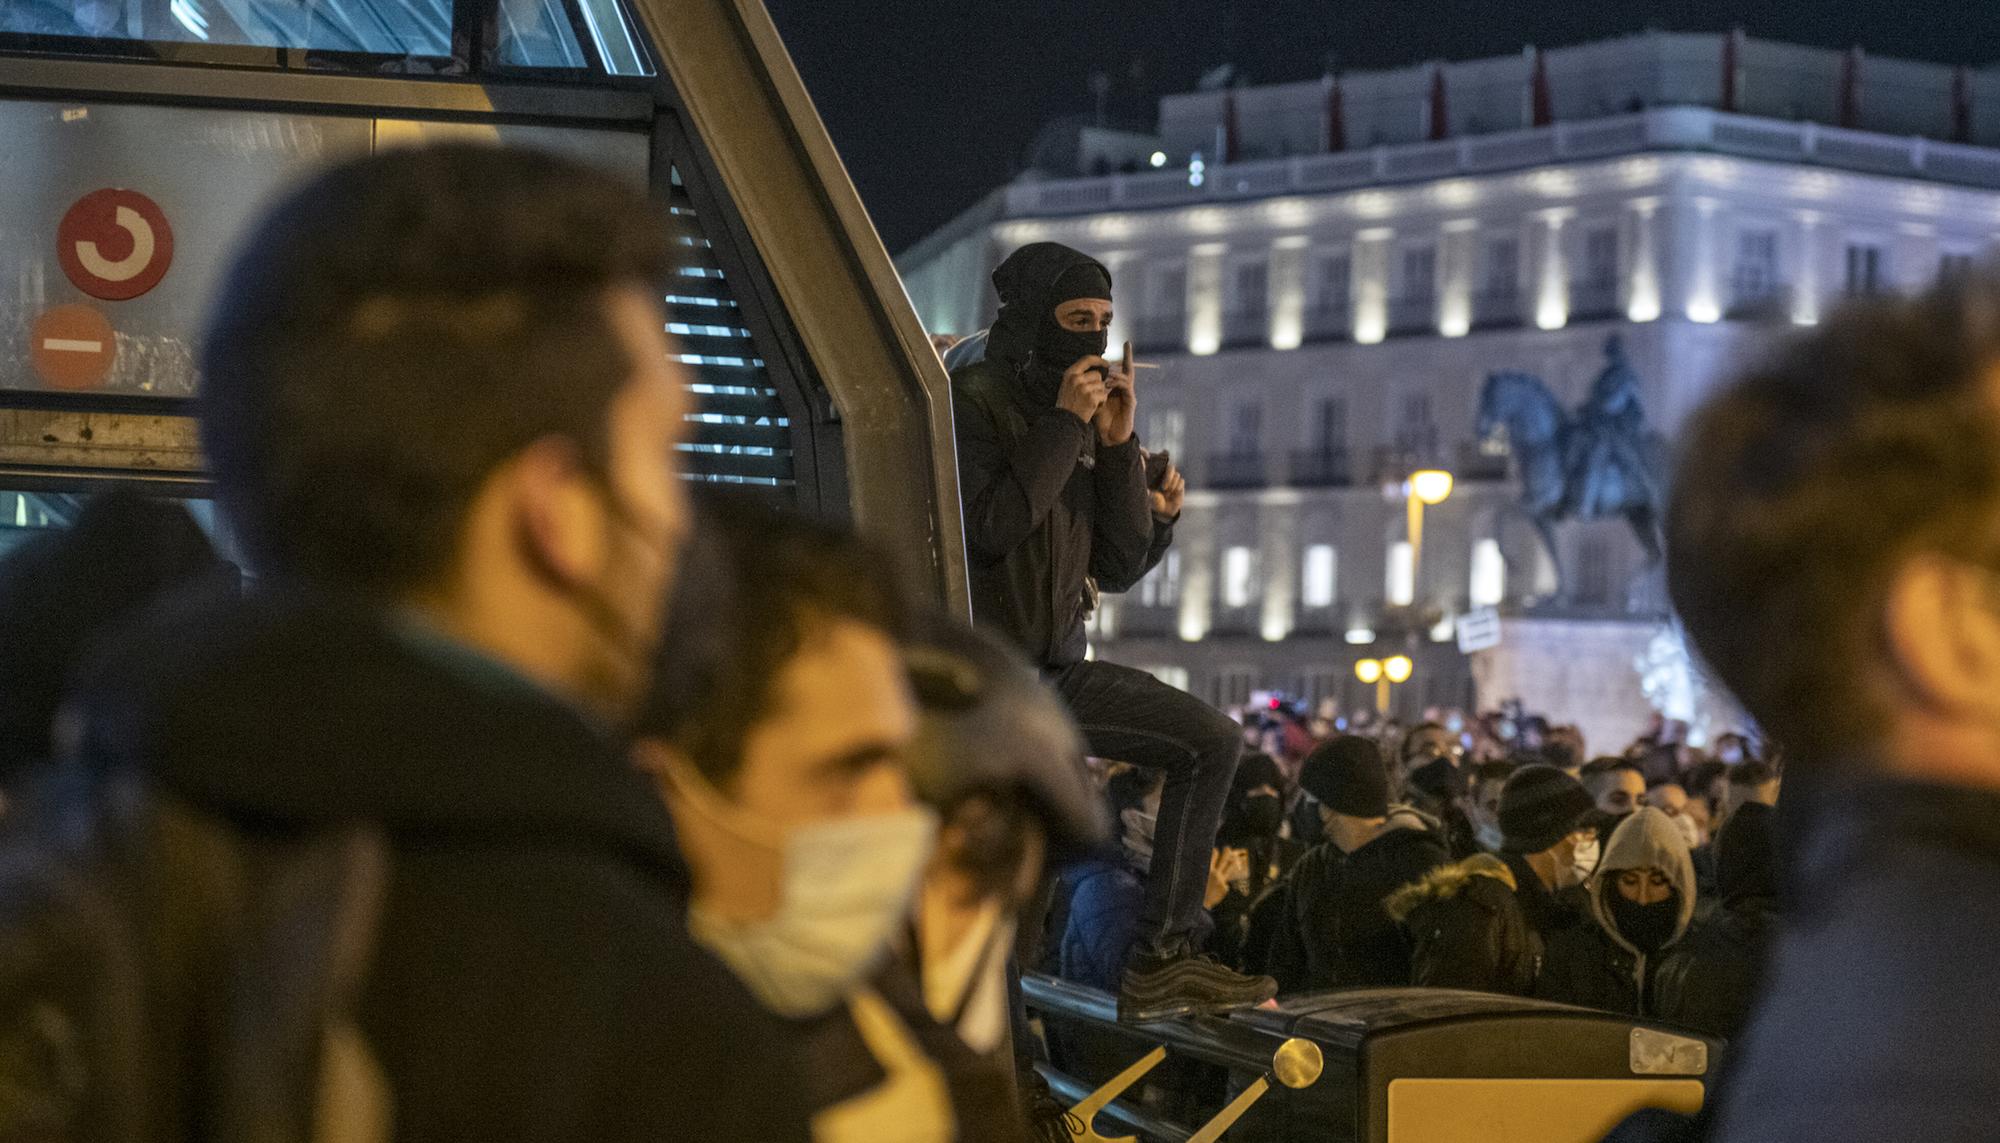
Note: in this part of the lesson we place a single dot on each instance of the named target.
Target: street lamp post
(1427, 487)
(1381, 673)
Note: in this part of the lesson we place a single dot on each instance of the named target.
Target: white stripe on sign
(72, 345)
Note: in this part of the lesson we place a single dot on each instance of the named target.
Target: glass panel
(372, 27)
(114, 303)
(537, 33)
(25, 515)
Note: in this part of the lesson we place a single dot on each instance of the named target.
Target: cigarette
(1141, 365)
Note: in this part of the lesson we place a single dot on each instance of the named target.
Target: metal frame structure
(867, 398)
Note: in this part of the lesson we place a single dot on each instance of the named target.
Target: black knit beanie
(1538, 806)
(1348, 776)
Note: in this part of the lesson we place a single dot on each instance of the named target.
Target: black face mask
(1261, 815)
(1648, 927)
(1057, 349)
(1439, 779)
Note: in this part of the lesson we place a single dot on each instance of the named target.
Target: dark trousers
(1129, 716)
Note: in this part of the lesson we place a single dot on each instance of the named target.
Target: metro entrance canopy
(813, 376)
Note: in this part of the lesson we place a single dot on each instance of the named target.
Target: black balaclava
(1031, 283)
(1648, 927)
(1439, 779)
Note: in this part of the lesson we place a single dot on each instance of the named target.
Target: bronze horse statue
(1602, 461)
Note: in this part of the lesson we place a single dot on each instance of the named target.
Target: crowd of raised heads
(1491, 852)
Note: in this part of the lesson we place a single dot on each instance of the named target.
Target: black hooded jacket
(1050, 513)
(532, 977)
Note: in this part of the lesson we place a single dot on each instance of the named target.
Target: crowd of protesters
(1393, 858)
(511, 791)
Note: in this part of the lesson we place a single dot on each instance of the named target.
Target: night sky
(933, 102)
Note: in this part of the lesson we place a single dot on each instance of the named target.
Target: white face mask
(1690, 832)
(1488, 835)
(1585, 862)
(847, 885)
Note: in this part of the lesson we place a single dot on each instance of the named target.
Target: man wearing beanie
(1542, 813)
(1058, 508)
(1483, 923)
(1338, 934)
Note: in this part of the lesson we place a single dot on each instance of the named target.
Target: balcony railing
(1413, 315)
(1235, 470)
(1496, 310)
(1246, 328)
(1589, 300)
(1657, 129)
(1322, 468)
(1329, 324)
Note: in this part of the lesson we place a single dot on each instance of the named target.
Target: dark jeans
(1129, 716)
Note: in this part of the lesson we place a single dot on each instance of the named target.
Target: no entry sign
(72, 347)
(115, 244)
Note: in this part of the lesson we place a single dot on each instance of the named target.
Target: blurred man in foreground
(441, 414)
(777, 726)
(1834, 550)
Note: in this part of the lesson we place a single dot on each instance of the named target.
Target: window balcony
(1329, 324)
(1246, 329)
(1496, 310)
(1322, 468)
(1160, 333)
(1413, 315)
(1227, 470)
(1589, 301)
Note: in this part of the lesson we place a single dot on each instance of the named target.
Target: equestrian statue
(1602, 461)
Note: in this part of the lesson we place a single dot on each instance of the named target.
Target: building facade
(1328, 272)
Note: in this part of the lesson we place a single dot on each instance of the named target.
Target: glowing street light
(1426, 486)
(1381, 673)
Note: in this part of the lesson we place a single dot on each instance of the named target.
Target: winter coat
(1105, 900)
(1340, 934)
(1052, 517)
(1879, 1016)
(1594, 965)
(532, 975)
(1467, 929)
(1708, 981)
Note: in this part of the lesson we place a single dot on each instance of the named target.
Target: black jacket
(1341, 935)
(1708, 980)
(1547, 912)
(1467, 930)
(532, 978)
(1051, 515)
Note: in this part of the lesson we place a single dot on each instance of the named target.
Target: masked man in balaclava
(1057, 510)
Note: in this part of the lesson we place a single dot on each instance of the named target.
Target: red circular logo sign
(115, 244)
(72, 347)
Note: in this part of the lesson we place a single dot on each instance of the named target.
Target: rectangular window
(1489, 574)
(1250, 290)
(1329, 426)
(1162, 585)
(1167, 292)
(1864, 268)
(1600, 257)
(1756, 274)
(1400, 584)
(1335, 279)
(1319, 576)
(1416, 429)
(1420, 273)
(1246, 429)
(1503, 268)
(1166, 429)
(1233, 686)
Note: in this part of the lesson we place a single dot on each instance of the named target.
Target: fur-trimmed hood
(1446, 882)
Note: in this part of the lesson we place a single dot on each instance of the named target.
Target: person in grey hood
(1641, 902)
(1058, 508)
